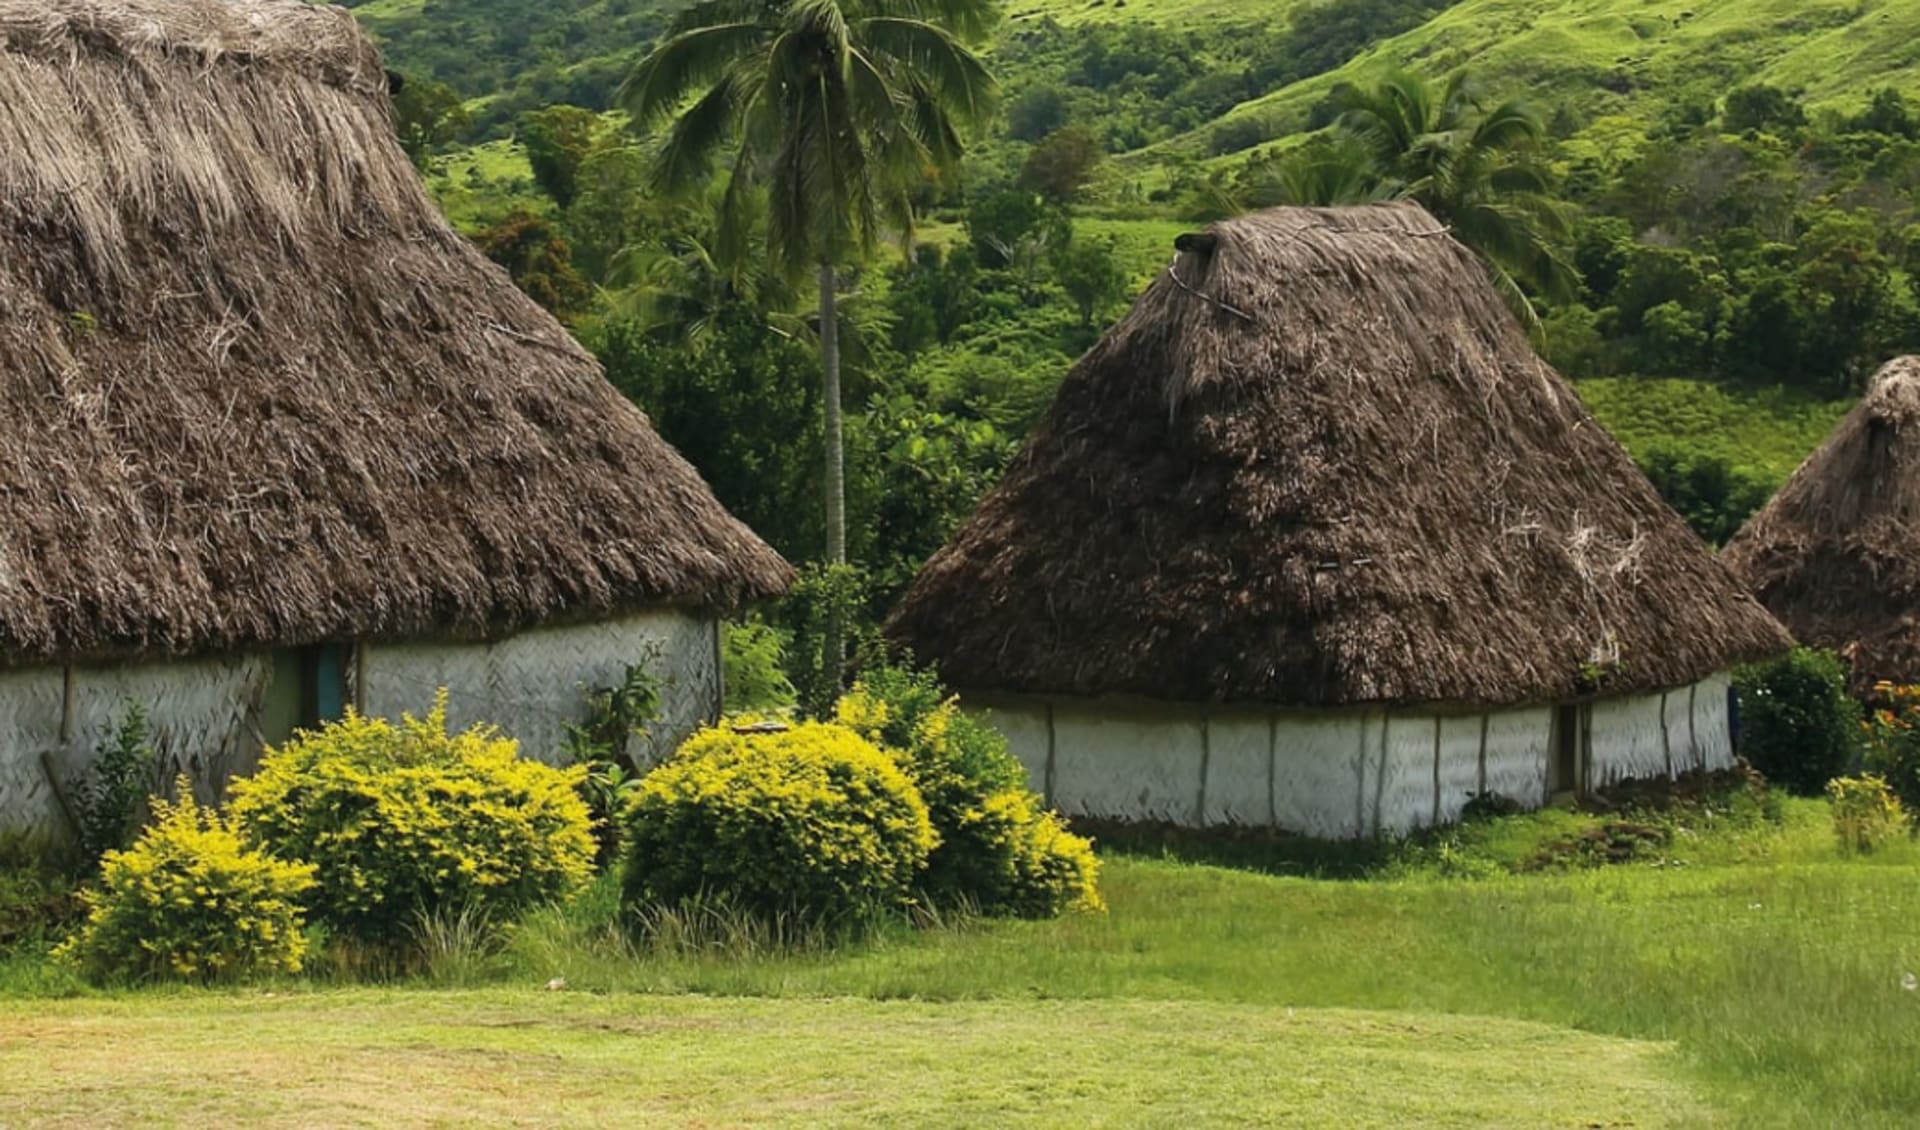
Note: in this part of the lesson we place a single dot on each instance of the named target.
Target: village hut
(1313, 540)
(274, 440)
(1836, 554)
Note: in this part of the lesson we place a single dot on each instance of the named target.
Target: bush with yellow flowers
(190, 901)
(1000, 849)
(809, 822)
(1866, 814)
(408, 821)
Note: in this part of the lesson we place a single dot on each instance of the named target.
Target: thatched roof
(1836, 553)
(254, 389)
(1318, 464)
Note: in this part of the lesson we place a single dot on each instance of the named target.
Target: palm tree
(837, 110)
(1478, 171)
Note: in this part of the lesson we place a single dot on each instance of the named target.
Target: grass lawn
(1745, 974)
(574, 1059)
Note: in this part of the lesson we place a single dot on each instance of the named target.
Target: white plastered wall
(1341, 773)
(1659, 735)
(534, 684)
(203, 715)
(200, 717)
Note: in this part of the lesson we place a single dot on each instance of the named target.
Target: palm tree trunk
(833, 648)
(836, 464)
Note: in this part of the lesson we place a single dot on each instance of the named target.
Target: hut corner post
(719, 704)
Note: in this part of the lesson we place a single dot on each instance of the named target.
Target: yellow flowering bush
(999, 849)
(1866, 814)
(189, 900)
(408, 820)
(810, 821)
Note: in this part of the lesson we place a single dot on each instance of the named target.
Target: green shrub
(407, 820)
(110, 797)
(191, 901)
(999, 850)
(39, 891)
(1866, 814)
(811, 821)
(1798, 724)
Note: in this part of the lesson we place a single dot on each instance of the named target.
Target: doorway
(309, 689)
(1563, 762)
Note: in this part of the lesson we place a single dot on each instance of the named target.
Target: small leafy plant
(615, 715)
(111, 796)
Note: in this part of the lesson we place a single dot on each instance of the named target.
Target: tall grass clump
(1866, 814)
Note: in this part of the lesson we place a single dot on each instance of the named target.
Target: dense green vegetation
(1735, 187)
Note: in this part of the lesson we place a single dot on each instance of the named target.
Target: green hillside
(1597, 57)
(1634, 57)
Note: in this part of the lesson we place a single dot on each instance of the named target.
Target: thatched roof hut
(1836, 553)
(256, 390)
(255, 393)
(1318, 466)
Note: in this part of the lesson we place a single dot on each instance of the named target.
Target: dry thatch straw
(1318, 464)
(255, 390)
(1836, 554)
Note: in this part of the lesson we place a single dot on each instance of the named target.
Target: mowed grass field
(1747, 975)
(491, 1057)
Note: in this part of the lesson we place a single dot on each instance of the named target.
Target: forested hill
(1218, 76)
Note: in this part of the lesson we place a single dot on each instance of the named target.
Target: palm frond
(969, 21)
(958, 80)
(661, 83)
(686, 156)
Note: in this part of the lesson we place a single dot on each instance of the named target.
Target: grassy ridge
(1627, 58)
(1634, 58)
(1765, 432)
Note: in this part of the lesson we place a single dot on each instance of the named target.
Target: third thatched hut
(1836, 553)
(1313, 539)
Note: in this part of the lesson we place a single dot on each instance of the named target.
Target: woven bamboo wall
(199, 714)
(534, 684)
